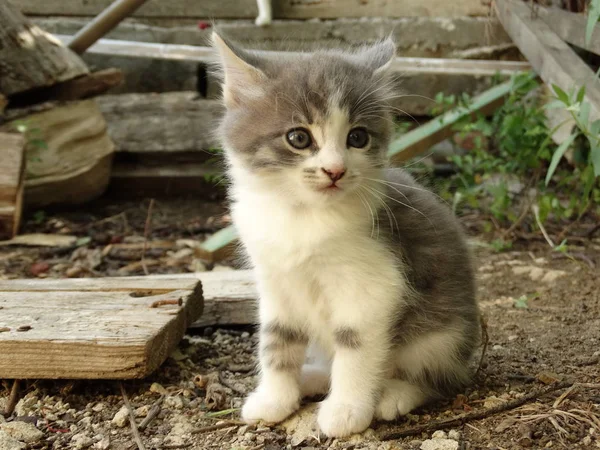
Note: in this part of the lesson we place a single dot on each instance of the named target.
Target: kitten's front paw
(337, 419)
(268, 408)
(263, 21)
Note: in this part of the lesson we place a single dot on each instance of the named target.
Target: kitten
(355, 262)
(265, 13)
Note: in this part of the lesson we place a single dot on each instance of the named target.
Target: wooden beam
(283, 9)
(205, 55)
(569, 27)
(12, 170)
(116, 331)
(229, 296)
(554, 61)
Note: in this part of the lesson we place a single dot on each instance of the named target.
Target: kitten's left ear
(380, 56)
(243, 80)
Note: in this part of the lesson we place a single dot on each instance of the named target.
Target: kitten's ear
(242, 80)
(380, 56)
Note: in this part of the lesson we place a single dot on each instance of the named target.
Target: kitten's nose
(334, 174)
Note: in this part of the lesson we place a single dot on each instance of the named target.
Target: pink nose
(334, 174)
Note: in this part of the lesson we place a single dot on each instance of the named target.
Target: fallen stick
(134, 428)
(215, 427)
(461, 419)
(12, 399)
(152, 414)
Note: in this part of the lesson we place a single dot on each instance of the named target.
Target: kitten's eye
(299, 138)
(358, 138)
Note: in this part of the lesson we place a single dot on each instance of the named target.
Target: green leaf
(595, 128)
(584, 114)
(592, 20)
(562, 95)
(83, 241)
(521, 302)
(581, 94)
(558, 154)
(555, 104)
(595, 157)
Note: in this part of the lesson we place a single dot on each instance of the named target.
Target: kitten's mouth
(330, 188)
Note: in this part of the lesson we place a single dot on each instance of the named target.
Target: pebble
(103, 444)
(249, 436)
(454, 434)
(121, 417)
(99, 407)
(497, 347)
(439, 444)
(175, 402)
(439, 434)
(587, 440)
(81, 441)
(158, 389)
(22, 431)
(9, 443)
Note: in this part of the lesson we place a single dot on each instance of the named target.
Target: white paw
(338, 419)
(268, 408)
(314, 380)
(398, 398)
(262, 21)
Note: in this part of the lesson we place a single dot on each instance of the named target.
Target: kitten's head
(314, 126)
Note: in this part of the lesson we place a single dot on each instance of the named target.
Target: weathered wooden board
(63, 330)
(169, 122)
(426, 37)
(12, 149)
(29, 57)
(229, 295)
(285, 9)
(554, 61)
(569, 27)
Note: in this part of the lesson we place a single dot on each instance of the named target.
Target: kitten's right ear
(242, 80)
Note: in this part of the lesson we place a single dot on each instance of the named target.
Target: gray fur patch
(285, 334)
(347, 338)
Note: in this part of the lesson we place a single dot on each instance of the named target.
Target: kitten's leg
(282, 347)
(265, 13)
(361, 313)
(433, 365)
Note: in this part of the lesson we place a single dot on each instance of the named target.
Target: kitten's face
(314, 128)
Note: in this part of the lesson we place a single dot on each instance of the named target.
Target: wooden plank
(554, 61)
(12, 170)
(569, 27)
(74, 334)
(229, 296)
(205, 55)
(284, 9)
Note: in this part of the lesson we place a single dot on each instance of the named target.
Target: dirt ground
(542, 311)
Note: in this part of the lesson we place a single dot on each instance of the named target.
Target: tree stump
(31, 58)
(12, 148)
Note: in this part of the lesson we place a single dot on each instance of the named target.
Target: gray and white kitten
(365, 280)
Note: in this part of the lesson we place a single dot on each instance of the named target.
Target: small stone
(547, 377)
(415, 443)
(158, 389)
(492, 402)
(99, 407)
(175, 402)
(249, 436)
(81, 441)
(513, 337)
(9, 443)
(142, 411)
(103, 444)
(454, 434)
(497, 347)
(587, 440)
(121, 417)
(245, 335)
(22, 431)
(439, 444)
(553, 275)
(439, 434)
(242, 430)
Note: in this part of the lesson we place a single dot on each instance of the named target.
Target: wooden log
(229, 296)
(109, 333)
(569, 27)
(30, 58)
(69, 153)
(282, 9)
(12, 149)
(554, 61)
(3, 103)
(169, 122)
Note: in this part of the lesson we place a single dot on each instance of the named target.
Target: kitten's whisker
(416, 188)
(366, 203)
(403, 204)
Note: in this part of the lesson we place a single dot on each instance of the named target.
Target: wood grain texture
(93, 334)
(229, 296)
(167, 122)
(283, 9)
(554, 61)
(12, 169)
(29, 57)
(73, 165)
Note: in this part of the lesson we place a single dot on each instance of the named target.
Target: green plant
(592, 20)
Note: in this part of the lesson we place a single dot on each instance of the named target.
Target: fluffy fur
(365, 282)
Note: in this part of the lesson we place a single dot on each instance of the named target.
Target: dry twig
(157, 303)
(461, 419)
(146, 233)
(134, 428)
(217, 426)
(154, 411)
(13, 399)
(486, 339)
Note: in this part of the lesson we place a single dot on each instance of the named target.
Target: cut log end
(12, 148)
